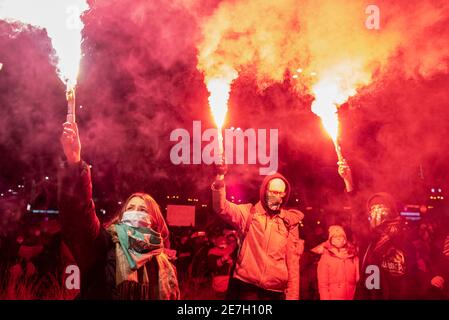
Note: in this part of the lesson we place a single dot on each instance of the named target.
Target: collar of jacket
(343, 253)
(291, 218)
(349, 252)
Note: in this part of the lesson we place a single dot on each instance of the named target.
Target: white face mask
(136, 219)
(338, 241)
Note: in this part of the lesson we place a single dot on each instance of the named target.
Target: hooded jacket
(393, 254)
(271, 249)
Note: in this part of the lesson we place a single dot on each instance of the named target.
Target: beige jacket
(270, 253)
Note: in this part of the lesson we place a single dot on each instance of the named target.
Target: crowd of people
(259, 252)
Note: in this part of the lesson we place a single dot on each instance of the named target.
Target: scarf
(135, 247)
(388, 232)
(138, 244)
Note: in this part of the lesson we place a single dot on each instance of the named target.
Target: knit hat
(385, 199)
(335, 231)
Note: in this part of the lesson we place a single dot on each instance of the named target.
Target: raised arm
(235, 215)
(80, 225)
(357, 220)
(345, 173)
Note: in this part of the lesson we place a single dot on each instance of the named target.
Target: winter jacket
(338, 272)
(270, 253)
(386, 249)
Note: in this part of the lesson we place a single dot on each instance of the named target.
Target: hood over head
(264, 187)
(383, 198)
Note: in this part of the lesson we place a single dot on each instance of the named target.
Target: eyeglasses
(379, 209)
(277, 193)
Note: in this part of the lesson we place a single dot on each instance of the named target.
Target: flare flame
(62, 21)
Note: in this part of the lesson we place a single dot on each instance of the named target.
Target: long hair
(153, 210)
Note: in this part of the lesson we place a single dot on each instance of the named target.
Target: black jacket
(90, 243)
(395, 256)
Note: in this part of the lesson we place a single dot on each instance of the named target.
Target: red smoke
(139, 80)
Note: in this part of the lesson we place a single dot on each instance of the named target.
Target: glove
(221, 168)
(437, 281)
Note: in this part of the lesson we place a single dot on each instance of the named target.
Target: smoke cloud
(142, 76)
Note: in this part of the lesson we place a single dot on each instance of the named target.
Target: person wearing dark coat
(127, 258)
(388, 258)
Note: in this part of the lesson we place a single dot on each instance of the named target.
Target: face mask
(137, 219)
(273, 202)
(378, 214)
(338, 242)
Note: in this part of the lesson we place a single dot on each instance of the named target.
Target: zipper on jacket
(271, 221)
(266, 251)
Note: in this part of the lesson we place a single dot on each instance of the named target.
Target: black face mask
(378, 214)
(273, 202)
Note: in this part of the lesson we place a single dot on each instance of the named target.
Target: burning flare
(326, 109)
(330, 92)
(61, 19)
(334, 88)
(219, 89)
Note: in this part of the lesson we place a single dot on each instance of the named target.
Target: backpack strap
(242, 238)
(249, 220)
(291, 218)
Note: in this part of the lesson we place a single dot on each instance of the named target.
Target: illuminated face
(275, 193)
(377, 214)
(136, 214)
(338, 241)
(137, 204)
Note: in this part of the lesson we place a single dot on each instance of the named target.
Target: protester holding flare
(128, 258)
(267, 265)
(391, 250)
(384, 239)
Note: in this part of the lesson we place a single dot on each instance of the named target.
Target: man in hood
(388, 268)
(267, 265)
